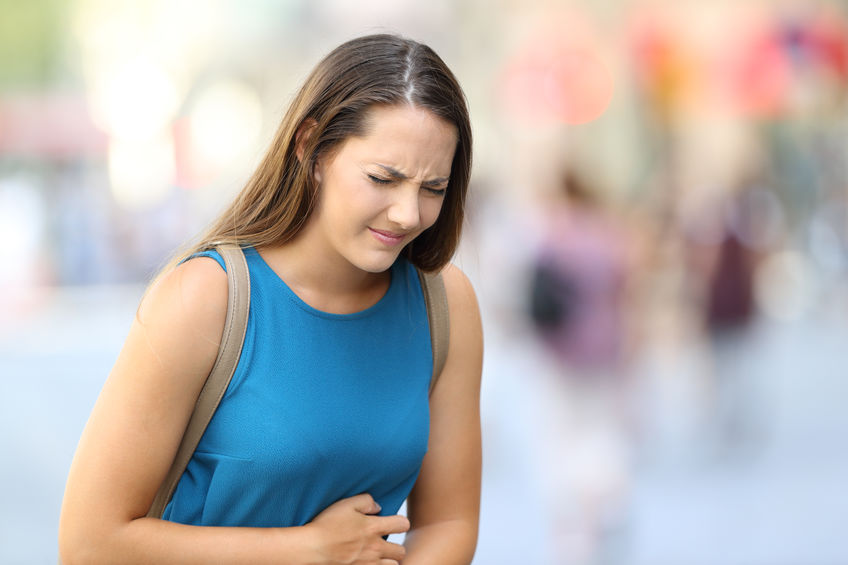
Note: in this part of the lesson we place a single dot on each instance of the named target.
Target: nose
(403, 210)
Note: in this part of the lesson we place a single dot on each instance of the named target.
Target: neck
(329, 284)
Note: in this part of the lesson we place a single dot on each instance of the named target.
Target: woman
(324, 430)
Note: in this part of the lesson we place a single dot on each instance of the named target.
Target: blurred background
(658, 236)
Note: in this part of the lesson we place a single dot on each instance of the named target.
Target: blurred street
(780, 500)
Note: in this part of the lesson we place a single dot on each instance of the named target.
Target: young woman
(327, 425)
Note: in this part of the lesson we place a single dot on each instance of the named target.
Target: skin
(337, 264)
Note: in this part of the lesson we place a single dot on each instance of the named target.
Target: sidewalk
(780, 499)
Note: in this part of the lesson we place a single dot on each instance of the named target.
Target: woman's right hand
(348, 532)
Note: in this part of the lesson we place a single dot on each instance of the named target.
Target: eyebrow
(400, 176)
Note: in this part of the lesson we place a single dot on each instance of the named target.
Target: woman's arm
(444, 505)
(133, 433)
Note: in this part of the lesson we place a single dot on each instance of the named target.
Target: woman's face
(377, 192)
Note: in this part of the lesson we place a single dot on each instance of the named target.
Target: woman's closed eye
(435, 189)
(379, 180)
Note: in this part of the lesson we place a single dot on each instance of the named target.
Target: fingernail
(378, 506)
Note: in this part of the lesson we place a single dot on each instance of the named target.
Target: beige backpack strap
(436, 301)
(235, 327)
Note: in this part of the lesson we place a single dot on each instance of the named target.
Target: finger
(392, 551)
(365, 503)
(389, 562)
(396, 524)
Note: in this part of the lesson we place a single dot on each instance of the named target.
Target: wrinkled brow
(394, 173)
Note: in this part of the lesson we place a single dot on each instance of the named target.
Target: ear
(302, 135)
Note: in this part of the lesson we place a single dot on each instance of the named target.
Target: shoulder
(462, 299)
(466, 332)
(189, 301)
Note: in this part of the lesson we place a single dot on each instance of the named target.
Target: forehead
(404, 136)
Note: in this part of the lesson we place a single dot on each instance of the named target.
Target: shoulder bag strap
(436, 301)
(235, 326)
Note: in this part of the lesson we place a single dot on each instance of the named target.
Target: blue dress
(321, 407)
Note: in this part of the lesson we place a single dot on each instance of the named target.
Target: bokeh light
(141, 172)
(135, 100)
(22, 227)
(785, 286)
(551, 82)
(225, 122)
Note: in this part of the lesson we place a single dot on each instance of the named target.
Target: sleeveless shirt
(321, 407)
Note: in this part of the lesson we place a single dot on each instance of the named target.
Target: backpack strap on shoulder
(436, 301)
(235, 327)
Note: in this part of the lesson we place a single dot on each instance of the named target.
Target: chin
(378, 264)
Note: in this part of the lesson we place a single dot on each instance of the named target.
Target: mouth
(388, 238)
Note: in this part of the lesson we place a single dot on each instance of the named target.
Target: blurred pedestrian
(725, 243)
(577, 305)
(579, 281)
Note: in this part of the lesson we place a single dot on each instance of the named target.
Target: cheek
(353, 200)
(430, 209)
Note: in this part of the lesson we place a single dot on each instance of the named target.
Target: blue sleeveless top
(321, 407)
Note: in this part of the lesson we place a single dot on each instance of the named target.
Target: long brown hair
(334, 101)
